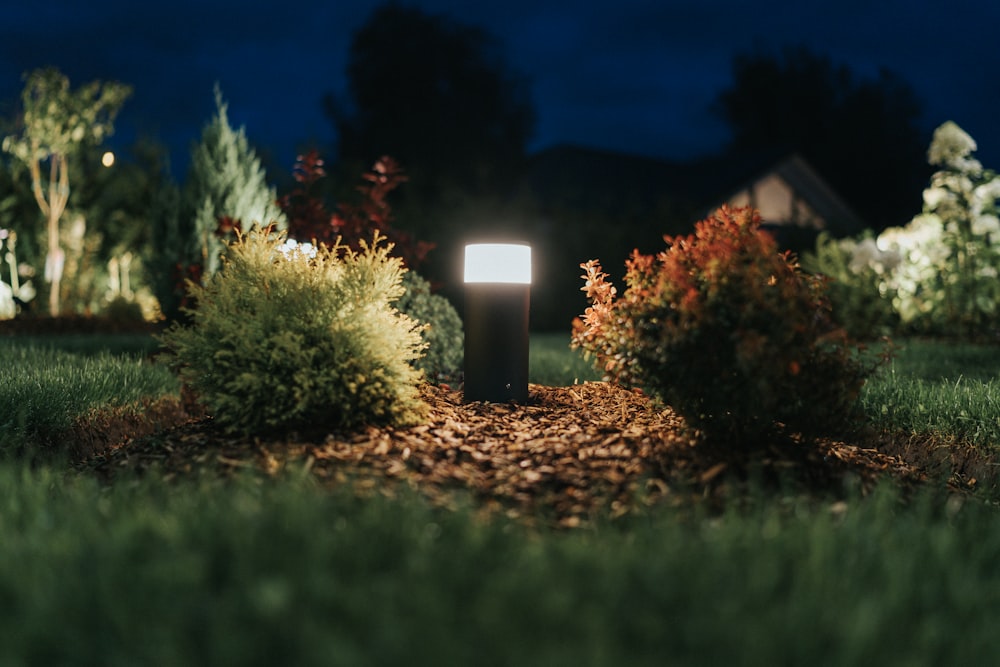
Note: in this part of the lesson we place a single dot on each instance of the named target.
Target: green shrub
(860, 297)
(726, 330)
(284, 337)
(443, 332)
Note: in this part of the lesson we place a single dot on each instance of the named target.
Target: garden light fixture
(497, 291)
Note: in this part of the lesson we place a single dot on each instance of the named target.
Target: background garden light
(497, 291)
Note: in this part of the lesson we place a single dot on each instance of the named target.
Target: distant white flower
(934, 196)
(292, 248)
(951, 146)
(890, 259)
(923, 230)
(984, 197)
(866, 254)
(985, 224)
(27, 292)
(8, 309)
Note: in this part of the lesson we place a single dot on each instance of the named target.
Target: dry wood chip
(572, 452)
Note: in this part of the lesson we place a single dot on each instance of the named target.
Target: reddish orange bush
(725, 329)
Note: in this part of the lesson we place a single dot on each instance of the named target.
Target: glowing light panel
(498, 263)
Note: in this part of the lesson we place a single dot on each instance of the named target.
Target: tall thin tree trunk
(53, 209)
(54, 264)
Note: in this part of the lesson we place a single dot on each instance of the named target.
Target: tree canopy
(863, 135)
(437, 96)
(55, 123)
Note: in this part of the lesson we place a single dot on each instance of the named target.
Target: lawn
(256, 568)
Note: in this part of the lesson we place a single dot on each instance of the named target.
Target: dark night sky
(629, 75)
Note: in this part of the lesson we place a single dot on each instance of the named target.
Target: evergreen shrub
(861, 298)
(442, 332)
(726, 330)
(281, 337)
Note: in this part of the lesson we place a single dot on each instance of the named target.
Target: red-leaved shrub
(726, 330)
(349, 224)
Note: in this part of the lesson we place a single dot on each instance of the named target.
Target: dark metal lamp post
(497, 293)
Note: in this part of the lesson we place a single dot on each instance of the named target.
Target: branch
(62, 193)
(36, 185)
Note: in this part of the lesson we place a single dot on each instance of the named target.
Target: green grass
(933, 361)
(92, 344)
(941, 389)
(280, 573)
(552, 363)
(950, 389)
(42, 389)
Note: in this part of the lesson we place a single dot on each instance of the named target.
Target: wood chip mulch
(568, 455)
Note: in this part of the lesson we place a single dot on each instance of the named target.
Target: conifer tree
(226, 188)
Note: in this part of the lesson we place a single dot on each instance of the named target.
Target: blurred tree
(117, 202)
(55, 123)
(226, 187)
(863, 136)
(18, 209)
(438, 97)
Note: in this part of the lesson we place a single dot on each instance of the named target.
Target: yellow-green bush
(281, 337)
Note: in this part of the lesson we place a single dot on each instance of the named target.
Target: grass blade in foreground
(251, 573)
(42, 390)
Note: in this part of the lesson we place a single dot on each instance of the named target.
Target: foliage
(947, 282)
(860, 297)
(853, 130)
(173, 262)
(443, 327)
(19, 215)
(226, 190)
(283, 337)
(467, 116)
(939, 272)
(110, 245)
(16, 291)
(439, 96)
(725, 329)
(55, 123)
(350, 224)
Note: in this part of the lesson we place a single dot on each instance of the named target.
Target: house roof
(810, 186)
(587, 178)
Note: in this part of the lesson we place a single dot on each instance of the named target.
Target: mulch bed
(567, 456)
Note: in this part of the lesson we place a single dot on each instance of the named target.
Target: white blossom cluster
(292, 248)
(15, 288)
(958, 228)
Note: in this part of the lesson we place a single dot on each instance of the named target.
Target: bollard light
(497, 294)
